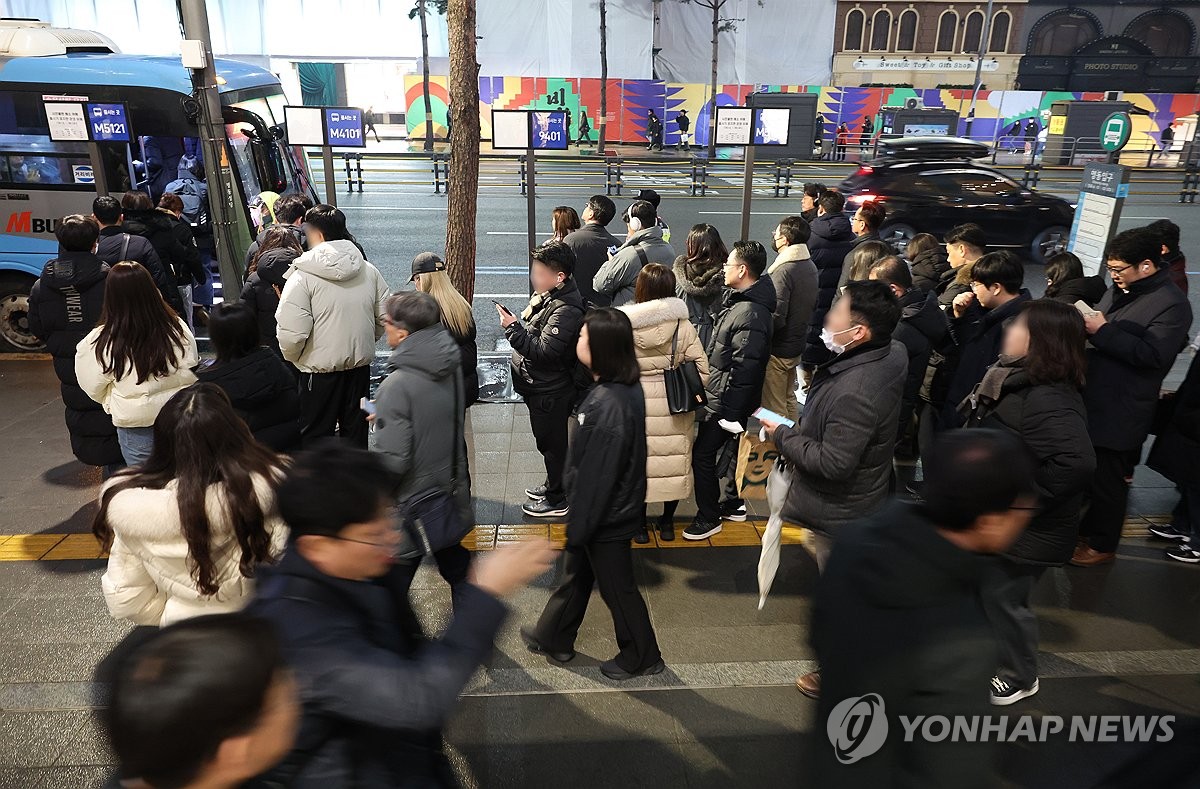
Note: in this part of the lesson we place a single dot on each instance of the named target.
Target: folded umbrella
(778, 483)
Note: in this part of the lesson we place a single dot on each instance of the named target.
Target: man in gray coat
(842, 449)
(618, 276)
(419, 415)
(795, 278)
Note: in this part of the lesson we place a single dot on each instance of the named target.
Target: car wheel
(1049, 242)
(897, 234)
(15, 336)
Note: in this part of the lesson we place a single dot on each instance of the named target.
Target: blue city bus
(42, 180)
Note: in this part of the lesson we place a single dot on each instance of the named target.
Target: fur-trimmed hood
(704, 284)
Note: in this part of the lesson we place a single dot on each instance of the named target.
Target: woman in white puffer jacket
(139, 354)
(659, 320)
(186, 530)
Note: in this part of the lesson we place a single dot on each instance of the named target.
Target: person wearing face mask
(842, 447)
(617, 277)
(1139, 327)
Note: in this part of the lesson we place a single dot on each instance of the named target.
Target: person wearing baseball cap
(426, 263)
(430, 276)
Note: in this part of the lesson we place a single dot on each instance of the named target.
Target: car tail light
(865, 198)
(865, 170)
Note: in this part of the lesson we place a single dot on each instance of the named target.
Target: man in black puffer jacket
(116, 244)
(831, 240)
(544, 366)
(737, 364)
(64, 306)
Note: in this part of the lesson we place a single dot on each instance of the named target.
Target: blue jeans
(136, 444)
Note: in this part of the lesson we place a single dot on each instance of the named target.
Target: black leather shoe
(535, 646)
(666, 529)
(610, 669)
(642, 537)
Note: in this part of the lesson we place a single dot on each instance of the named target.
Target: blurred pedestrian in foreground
(376, 692)
(606, 485)
(204, 704)
(897, 625)
(1176, 455)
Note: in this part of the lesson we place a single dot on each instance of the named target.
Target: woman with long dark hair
(1065, 281)
(186, 531)
(700, 278)
(1034, 391)
(261, 388)
(606, 488)
(139, 355)
(277, 248)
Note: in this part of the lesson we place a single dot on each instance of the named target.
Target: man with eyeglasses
(1139, 327)
(865, 224)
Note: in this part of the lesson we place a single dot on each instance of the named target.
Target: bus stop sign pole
(222, 191)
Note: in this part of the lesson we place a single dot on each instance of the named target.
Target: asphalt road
(395, 221)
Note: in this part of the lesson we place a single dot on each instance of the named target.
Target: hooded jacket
(416, 417)
(375, 692)
(656, 325)
(894, 595)
(605, 473)
(1089, 290)
(980, 336)
(842, 447)
(1051, 421)
(116, 244)
(701, 287)
(133, 404)
(1129, 357)
(64, 305)
(741, 345)
(149, 576)
(618, 275)
(331, 311)
(922, 328)
(543, 357)
(831, 240)
(264, 393)
(259, 292)
(795, 279)
(928, 268)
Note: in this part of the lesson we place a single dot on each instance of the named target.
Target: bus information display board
(333, 127)
(519, 130)
(108, 122)
(1102, 194)
(743, 126)
(75, 121)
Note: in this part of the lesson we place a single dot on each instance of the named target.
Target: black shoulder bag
(431, 518)
(685, 390)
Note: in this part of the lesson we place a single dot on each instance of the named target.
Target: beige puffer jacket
(668, 436)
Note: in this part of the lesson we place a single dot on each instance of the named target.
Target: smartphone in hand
(1085, 310)
(368, 406)
(503, 309)
(770, 416)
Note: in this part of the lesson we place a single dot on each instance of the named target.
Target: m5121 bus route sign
(108, 122)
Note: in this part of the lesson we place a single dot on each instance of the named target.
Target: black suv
(929, 185)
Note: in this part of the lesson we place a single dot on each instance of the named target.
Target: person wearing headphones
(644, 244)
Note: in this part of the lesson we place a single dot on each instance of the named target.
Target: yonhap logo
(857, 727)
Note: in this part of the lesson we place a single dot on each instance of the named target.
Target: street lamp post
(984, 41)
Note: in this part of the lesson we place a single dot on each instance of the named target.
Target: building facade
(927, 43)
(1144, 46)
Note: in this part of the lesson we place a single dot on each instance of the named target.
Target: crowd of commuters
(225, 489)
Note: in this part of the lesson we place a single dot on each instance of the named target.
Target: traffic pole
(530, 208)
(223, 193)
(747, 192)
(984, 43)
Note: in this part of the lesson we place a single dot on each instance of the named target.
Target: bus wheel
(15, 336)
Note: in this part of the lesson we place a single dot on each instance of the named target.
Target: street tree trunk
(603, 74)
(421, 12)
(715, 5)
(463, 187)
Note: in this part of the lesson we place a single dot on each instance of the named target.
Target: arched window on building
(972, 32)
(881, 30)
(947, 29)
(1168, 33)
(1062, 32)
(906, 36)
(1001, 25)
(852, 41)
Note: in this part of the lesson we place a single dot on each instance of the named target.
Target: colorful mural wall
(998, 113)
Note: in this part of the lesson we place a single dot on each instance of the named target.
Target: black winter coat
(894, 595)
(948, 289)
(265, 395)
(252, 250)
(980, 336)
(741, 345)
(828, 245)
(1176, 451)
(470, 364)
(1129, 357)
(701, 287)
(259, 292)
(116, 244)
(375, 692)
(928, 268)
(64, 306)
(157, 227)
(605, 474)
(590, 244)
(1089, 290)
(923, 327)
(1051, 420)
(543, 357)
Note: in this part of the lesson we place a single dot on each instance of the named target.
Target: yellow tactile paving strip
(55, 547)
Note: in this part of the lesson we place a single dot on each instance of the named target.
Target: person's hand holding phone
(506, 316)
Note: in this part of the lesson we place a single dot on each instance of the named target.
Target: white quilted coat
(668, 436)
